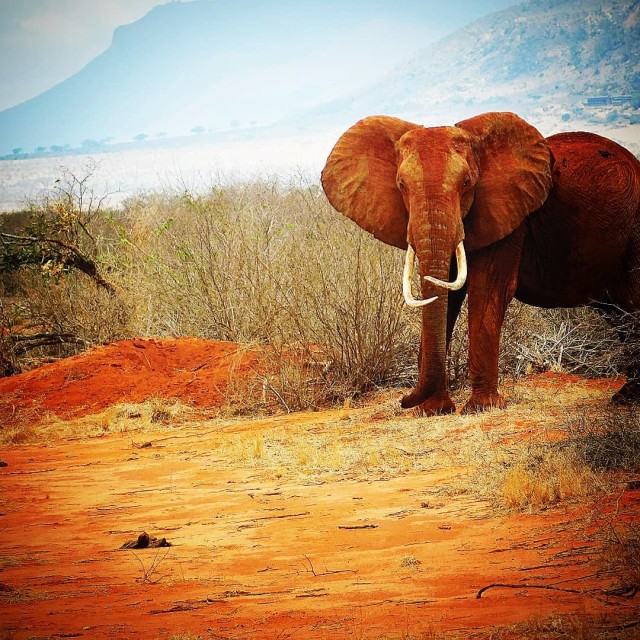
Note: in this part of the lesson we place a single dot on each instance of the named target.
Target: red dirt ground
(262, 548)
(192, 370)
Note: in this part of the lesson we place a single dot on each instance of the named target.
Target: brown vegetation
(259, 263)
(354, 519)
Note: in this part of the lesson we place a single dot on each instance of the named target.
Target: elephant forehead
(435, 155)
(430, 139)
(411, 165)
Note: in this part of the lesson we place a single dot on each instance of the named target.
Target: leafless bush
(268, 264)
(264, 263)
(534, 340)
(608, 440)
(572, 340)
(52, 319)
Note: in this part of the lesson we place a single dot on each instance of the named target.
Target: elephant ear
(359, 178)
(514, 163)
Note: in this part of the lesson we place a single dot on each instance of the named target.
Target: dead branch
(75, 258)
(278, 517)
(623, 592)
(24, 343)
(527, 586)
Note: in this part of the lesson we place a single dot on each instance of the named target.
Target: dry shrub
(608, 440)
(576, 341)
(620, 556)
(566, 627)
(267, 263)
(538, 475)
(545, 477)
(61, 317)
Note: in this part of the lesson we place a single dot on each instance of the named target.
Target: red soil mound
(195, 371)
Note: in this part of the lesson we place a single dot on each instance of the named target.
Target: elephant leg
(627, 326)
(493, 274)
(440, 402)
(623, 314)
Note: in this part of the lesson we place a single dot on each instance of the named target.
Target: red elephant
(503, 212)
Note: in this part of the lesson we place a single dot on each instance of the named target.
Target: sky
(43, 42)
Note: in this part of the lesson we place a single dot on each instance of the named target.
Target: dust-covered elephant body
(554, 222)
(583, 245)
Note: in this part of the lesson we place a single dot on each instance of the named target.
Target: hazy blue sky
(42, 42)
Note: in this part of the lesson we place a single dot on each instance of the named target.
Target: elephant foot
(435, 406)
(478, 403)
(628, 394)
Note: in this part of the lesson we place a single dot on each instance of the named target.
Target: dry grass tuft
(609, 439)
(152, 415)
(566, 627)
(547, 476)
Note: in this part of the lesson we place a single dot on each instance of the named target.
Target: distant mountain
(536, 57)
(216, 65)
(206, 64)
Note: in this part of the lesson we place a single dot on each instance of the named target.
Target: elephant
(492, 210)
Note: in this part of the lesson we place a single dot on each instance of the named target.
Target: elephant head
(438, 191)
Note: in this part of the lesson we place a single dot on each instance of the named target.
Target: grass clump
(608, 440)
(124, 418)
(547, 476)
(566, 627)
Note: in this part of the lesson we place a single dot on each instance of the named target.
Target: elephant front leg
(493, 274)
(440, 403)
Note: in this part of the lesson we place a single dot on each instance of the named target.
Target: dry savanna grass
(124, 418)
(545, 476)
(569, 627)
(525, 458)
(258, 263)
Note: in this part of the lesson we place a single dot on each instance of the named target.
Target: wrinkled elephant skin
(553, 222)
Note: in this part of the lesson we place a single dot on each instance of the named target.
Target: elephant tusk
(458, 283)
(406, 281)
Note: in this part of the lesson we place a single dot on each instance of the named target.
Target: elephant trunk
(433, 352)
(434, 255)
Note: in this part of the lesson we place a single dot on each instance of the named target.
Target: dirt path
(275, 534)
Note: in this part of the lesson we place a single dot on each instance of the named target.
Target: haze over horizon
(44, 42)
(211, 90)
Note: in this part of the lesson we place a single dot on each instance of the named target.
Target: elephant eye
(467, 182)
(401, 184)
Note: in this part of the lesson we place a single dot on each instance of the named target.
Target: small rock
(145, 541)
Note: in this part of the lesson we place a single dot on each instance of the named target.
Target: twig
(623, 592)
(76, 258)
(153, 568)
(284, 515)
(326, 572)
(527, 586)
(24, 343)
